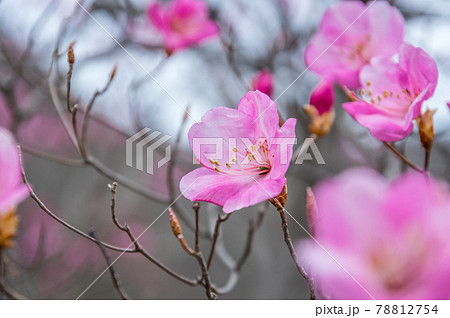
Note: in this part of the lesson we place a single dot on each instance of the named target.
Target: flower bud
(263, 82)
(175, 224)
(71, 55)
(311, 210)
(320, 109)
(426, 128)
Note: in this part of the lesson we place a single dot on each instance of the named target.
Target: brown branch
(216, 234)
(288, 241)
(426, 166)
(401, 156)
(196, 253)
(59, 220)
(171, 178)
(233, 278)
(137, 246)
(86, 117)
(53, 158)
(114, 275)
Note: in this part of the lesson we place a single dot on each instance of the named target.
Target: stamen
(228, 165)
(369, 83)
(215, 168)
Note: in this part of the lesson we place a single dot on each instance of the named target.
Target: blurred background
(49, 261)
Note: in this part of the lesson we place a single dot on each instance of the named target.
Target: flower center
(398, 266)
(388, 100)
(184, 26)
(254, 159)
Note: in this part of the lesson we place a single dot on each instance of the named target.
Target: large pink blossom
(243, 152)
(12, 190)
(379, 239)
(263, 82)
(393, 93)
(182, 23)
(348, 38)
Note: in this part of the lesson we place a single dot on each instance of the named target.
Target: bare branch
(114, 275)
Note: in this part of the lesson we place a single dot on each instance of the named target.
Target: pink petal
(263, 112)
(282, 149)
(329, 64)
(220, 130)
(231, 192)
(339, 223)
(155, 15)
(382, 125)
(421, 69)
(387, 27)
(331, 269)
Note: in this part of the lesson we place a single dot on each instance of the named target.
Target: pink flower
(183, 23)
(392, 238)
(360, 37)
(263, 82)
(243, 152)
(393, 93)
(12, 190)
(322, 97)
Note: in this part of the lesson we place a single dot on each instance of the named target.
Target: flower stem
(288, 241)
(402, 157)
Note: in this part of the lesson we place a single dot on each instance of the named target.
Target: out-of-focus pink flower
(183, 23)
(263, 82)
(392, 238)
(448, 104)
(322, 97)
(243, 152)
(360, 37)
(393, 93)
(12, 190)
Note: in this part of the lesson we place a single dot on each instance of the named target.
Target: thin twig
(219, 221)
(137, 246)
(288, 241)
(196, 208)
(71, 61)
(59, 220)
(114, 275)
(53, 158)
(401, 156)
(196, 253)
(426, 166)
(233, 278)
(86, 117)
